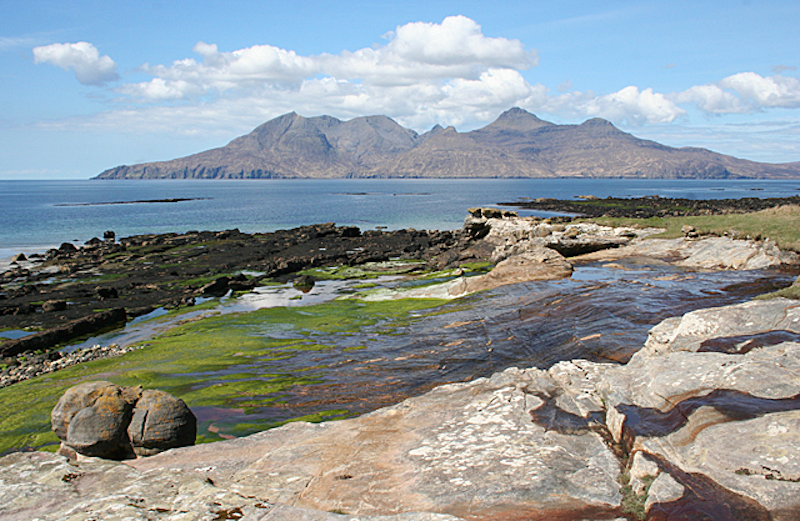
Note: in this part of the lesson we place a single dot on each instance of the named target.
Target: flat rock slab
(469, 450)
(47, 487)
(705, 253)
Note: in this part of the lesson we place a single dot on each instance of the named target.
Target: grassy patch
(210, 362)
(792, 291)
(779, 224)
(632, 503)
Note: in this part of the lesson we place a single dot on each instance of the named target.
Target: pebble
(30, 366)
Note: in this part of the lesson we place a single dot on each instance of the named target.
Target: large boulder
(105, 420)
(160, 421)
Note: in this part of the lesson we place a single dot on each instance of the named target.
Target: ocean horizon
(38, 215)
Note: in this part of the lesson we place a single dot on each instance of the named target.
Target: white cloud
(627, 106)
(425, 73)
(416, 53)
(774, 91)
(711, 99)
(82, 57)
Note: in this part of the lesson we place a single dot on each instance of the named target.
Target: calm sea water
(36, 215)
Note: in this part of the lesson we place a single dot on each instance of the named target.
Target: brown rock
(161, 421)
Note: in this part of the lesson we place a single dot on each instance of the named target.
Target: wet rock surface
(58, 296)
(688, 434)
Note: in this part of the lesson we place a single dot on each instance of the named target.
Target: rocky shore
(24, 367)
(702, 423)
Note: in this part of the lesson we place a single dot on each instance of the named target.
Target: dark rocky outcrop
(108, 421)
(517, 144)
(56, 335)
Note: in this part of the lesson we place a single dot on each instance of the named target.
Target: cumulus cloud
(416, 53)
(82, 57)
(626, 106)
(711, 99)
(743, 93)
(774, 91)
(448, 73)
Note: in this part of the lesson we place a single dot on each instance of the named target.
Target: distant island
(516, 145)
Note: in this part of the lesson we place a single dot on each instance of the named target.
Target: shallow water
(600, 314)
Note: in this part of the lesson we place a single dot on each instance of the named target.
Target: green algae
(369, 270)
(214, 362)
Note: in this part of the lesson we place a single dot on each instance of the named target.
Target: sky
(88, 85)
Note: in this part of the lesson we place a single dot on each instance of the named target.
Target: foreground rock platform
(702, 423)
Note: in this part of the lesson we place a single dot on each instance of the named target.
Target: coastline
(594, 424)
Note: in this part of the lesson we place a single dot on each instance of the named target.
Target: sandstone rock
(707, 253)
(718, 427)
(19, 257)
(160, 421)
(540, 264)
(663, 490)
(468, 450)
(104, 420)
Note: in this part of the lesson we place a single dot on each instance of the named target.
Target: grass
(779, 224)
(211, 362)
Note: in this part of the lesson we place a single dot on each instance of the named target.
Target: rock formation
(104, 420)
(702, 423)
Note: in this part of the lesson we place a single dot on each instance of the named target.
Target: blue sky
(89, 85)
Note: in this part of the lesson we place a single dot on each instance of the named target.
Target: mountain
(516, 144)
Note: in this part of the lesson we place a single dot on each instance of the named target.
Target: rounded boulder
(160, 421)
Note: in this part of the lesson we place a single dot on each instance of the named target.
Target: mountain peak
(516, 144)
(517, 119)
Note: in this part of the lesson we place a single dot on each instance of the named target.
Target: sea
(38, 215)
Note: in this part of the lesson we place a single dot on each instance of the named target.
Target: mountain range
(516, 144)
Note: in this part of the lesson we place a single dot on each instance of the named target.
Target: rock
(106, 293)
(109, 235)
(304, 283)
(67, 247)
(54, 305)
(468, 450)
(540, 264)
(19, 257)
(160, 421)
(217, 288)
(715, 429)
(663, 490)
(91, 419)
(689, 231)
(707, 253)
(72, 329)
(108, 421)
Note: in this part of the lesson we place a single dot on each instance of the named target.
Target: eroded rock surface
(105, 420)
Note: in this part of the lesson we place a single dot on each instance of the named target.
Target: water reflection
(601, 314)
